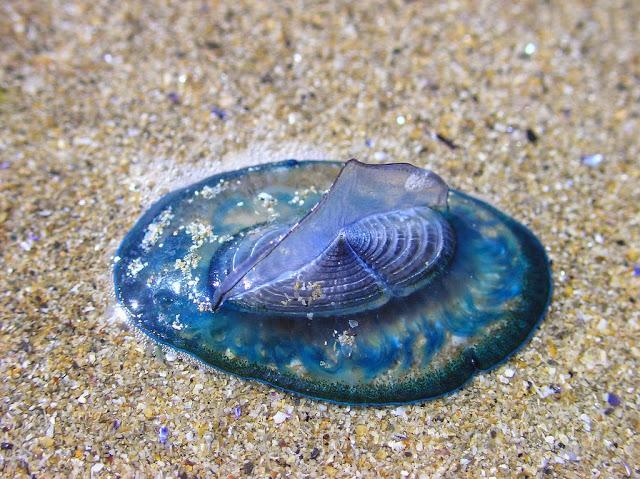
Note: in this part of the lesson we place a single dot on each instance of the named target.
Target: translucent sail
(359, 191)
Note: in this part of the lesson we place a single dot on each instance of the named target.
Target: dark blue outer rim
(468, 360)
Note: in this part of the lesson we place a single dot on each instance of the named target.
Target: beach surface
(104, 106)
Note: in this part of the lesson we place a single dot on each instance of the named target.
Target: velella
(348, 282)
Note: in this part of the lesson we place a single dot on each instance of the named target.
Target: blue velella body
(391, 288)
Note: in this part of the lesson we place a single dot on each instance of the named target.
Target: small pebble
(547, 391)
(173, 98)
(170, 355)
(396, 445)
(529, 49)
(613, 399)
(280, 417)
(531, 136)
(592, 160)
(586, 421)
(400, 412)
(220, 114)
(96, 468)
(163, 434)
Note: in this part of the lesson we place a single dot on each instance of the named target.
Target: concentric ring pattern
(367, 263)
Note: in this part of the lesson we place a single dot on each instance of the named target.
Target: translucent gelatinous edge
(483, 356)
